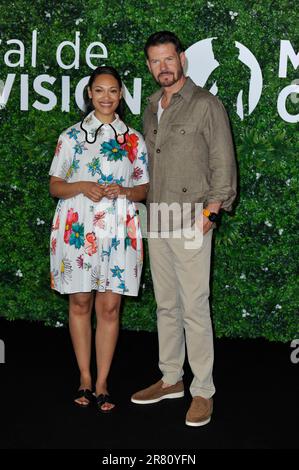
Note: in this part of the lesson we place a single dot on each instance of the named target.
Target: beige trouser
(181, 284)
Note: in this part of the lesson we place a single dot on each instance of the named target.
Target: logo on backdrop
(2, 105)
(201, 63)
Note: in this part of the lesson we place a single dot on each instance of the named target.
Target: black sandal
(101, 400)
(85, 393)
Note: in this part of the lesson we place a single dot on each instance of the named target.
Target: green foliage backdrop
(256, 250)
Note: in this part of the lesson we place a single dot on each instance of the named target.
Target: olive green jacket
(191, 154)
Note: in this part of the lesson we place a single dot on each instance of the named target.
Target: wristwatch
(212, 216)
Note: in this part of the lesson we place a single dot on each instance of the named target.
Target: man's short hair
(163, 37)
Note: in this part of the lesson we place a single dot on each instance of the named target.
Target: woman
(98, 171)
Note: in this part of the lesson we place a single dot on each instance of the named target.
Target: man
(191, 160)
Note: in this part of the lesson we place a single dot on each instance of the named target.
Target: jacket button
(155, 131)
(158, 150)
(182, 131)
(184, 190)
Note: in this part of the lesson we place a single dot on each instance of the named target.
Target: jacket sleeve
(222, 165)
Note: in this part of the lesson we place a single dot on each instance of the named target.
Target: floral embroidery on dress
(80, 262)
(112, 150)
(137, 173)
(66, 270)
(131, 239)
(131, 146)
(55, 226)
(143, 158)
(105, 179)
(90, 244)
(72, 217)
(117, 272)
(99, 219)
(79, 148)
(53, 246)
(72, 169)
(77, 235)
(73, 133)
(94, 166)
(114, 243)
(58, 147)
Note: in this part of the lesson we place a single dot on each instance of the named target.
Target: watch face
(213, 217)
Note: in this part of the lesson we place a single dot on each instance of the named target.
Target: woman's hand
(136, 193)
(93, 191)
(113, 191)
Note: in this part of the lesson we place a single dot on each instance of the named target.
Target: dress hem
(86, 291)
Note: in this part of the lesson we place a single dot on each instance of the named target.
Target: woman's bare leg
(107, 305)
(80, 308)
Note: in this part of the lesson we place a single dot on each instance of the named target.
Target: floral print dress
(98, 246)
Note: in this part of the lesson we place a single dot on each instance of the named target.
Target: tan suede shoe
(200, 411)
(156, 393)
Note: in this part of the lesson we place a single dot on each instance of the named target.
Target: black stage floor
(255, 407)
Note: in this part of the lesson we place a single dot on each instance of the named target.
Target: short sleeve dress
(98, 246)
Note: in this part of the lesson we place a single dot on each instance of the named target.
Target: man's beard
(172, 81)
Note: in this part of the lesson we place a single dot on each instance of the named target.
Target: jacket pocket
(187, 142)
(185, 189)
(182, 136)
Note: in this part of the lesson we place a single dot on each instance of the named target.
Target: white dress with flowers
(98, 246)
